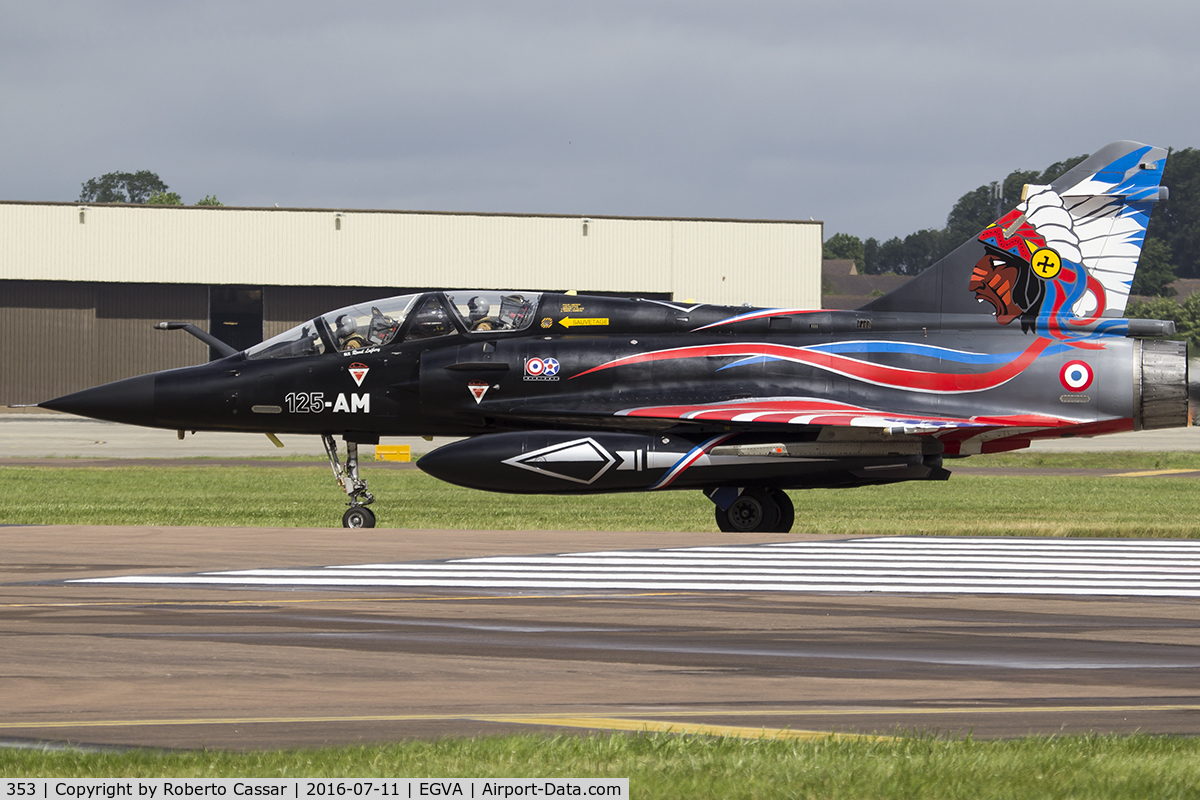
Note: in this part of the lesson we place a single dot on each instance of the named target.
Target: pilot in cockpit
(348, 337)
(478, 309)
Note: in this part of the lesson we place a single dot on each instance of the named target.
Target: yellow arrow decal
(576, 322)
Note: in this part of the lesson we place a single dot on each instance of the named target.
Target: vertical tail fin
(1066, 254)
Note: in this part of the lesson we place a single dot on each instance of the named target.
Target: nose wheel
(358, 515)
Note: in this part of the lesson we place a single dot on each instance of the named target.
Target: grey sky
(871, 116)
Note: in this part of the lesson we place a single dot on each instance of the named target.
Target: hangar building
(82, 285)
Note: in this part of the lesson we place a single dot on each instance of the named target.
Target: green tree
(1155, 272)
(891, 256)
(210, 200)
(921, 249)
(1177, 221)
(1187, 324)
(1185, 315)
(1155, 308)
(122, 187)
(1014, 186)
(870, 265)
(843, 245)
(164, 199)
(973, 212)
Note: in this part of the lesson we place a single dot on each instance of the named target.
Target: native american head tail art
(1062, 261)
(1065, 259)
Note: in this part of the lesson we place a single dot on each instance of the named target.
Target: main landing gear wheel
(358, 517)
(757, 511)
(753, 510)
(787, 512)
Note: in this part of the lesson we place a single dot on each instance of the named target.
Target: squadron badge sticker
(478, 389)
(358, 372)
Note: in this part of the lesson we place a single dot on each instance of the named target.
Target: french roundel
(1076, 376)
(535, 366)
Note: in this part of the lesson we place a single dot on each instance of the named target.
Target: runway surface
(924, 565)
(242, 638)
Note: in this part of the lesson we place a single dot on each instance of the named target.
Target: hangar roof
(762, 262)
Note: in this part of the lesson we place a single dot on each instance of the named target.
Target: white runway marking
(923, 565)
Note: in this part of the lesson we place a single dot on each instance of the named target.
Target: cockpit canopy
(380, 323)
(494, 312)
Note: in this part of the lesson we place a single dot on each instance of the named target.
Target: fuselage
(598, 363)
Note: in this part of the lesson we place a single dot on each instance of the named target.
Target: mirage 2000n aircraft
(1016, 335)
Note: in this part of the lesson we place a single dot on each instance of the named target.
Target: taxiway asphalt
(249, 665)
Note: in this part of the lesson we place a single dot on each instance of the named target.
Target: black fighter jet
(1016, 335)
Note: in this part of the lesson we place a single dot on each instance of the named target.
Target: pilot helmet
(479, 308)
(346, 326)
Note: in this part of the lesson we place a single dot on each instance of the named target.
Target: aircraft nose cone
(130, 401)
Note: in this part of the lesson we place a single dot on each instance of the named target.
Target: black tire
(722, 520)
(358, 517)
(753, 512)
(787, 512)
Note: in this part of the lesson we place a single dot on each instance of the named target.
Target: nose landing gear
(358, 515)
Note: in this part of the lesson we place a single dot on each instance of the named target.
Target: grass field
(664, 766)
(70, 492)
(1115, 460)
